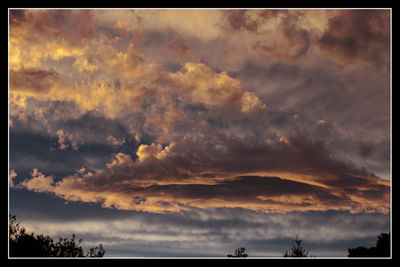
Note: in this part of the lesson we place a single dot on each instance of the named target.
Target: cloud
(12, 175)
(136, 78)
(62, 139)
(135, 93)
(201, 24)
(316, 89)
(217, 231)
(24, 156)
(202, 85)
(249, 98)
(115, 141)
(358, 34)
(268, 36)
(32, 80)
(39, 182)
(190, 173)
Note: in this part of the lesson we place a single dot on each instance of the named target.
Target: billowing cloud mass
(273, 111)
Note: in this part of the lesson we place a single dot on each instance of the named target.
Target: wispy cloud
(215, 232)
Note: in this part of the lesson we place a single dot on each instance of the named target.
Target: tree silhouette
(382, 248)
(297, 250)
(23, 244)
(239, 253)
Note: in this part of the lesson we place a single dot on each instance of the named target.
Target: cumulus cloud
(204, 86)
(65, 140)
(210, 116)
(39, 182)
(189, 173)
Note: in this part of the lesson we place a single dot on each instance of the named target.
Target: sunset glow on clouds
(160, 111)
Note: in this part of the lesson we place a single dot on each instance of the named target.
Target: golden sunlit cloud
(205, 108)
(148, 185)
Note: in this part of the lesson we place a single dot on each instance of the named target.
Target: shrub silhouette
(382, 248)
(297, 250)
(239, 253)
(23, 244)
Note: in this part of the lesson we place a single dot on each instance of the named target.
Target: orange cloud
(39, 182)
(203, 85)
(12, 175)
(31, 81)
(172, 179)
(63, 56)
(62, 138)
(281, 35)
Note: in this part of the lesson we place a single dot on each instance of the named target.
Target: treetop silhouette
(297, 250)
(382, 248)
(239, 253)
(23, 244)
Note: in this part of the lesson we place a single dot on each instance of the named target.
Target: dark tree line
(382, 248)
(23, 244)
(239, 253)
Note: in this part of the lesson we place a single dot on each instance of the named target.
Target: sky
(192, 132)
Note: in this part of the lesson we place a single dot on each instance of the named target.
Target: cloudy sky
(194, 132)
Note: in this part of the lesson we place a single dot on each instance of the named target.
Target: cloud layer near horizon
(267, 110)
(213, 232)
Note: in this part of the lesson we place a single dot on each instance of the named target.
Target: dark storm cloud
(365, 149)
(312, 96)
(80, 129)
(16, 16)
(24, 157)
(359, 33)
(91, 128)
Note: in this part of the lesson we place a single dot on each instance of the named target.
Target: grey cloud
(217, 232)
(363, 33)
(24, 157)
(109, 31)
(58, 17)
(87, 128)
(319, 93)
